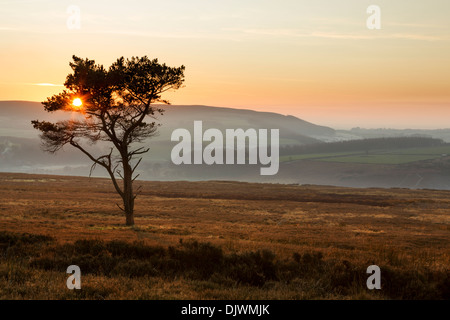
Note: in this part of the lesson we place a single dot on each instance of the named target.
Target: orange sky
(315, 60)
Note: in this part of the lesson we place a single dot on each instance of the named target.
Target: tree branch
(103, 164)
(135, 166)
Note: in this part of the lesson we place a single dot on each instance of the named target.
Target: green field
(398, 156)
(438, 151)
(317, 156)
(380, 158)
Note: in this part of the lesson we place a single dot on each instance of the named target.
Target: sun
(77, 103)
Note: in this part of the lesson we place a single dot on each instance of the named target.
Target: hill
(15, 117)
(19, 142)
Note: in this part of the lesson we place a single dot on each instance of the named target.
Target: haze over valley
(309, 153)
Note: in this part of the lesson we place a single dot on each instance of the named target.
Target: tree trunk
(128, 196)
(128, 203)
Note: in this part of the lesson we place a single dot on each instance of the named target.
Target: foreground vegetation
(221, 240)
(31, 268)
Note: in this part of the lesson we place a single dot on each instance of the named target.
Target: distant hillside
(19, 142)
(223, 118)
(363, 145)
(15, 117)
(361, 133)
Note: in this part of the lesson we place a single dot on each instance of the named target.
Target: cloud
(42, 84)
(345, 36)
(350, 36)
(45, 84)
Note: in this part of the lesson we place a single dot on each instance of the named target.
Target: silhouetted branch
(135, 166)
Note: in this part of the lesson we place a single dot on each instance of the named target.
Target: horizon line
(277, 113)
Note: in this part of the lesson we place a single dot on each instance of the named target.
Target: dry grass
(405, 232)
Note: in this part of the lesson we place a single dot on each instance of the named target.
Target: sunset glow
(315, 60)
(77, 102)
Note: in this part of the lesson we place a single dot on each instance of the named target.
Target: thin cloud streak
(41, 84)
(45, 84)
(344, 36)
(132, 33)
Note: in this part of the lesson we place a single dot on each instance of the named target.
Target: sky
(316, 60)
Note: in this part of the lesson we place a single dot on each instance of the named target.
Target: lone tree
(114, 105)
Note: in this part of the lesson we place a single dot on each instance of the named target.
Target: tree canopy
(115, 105)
